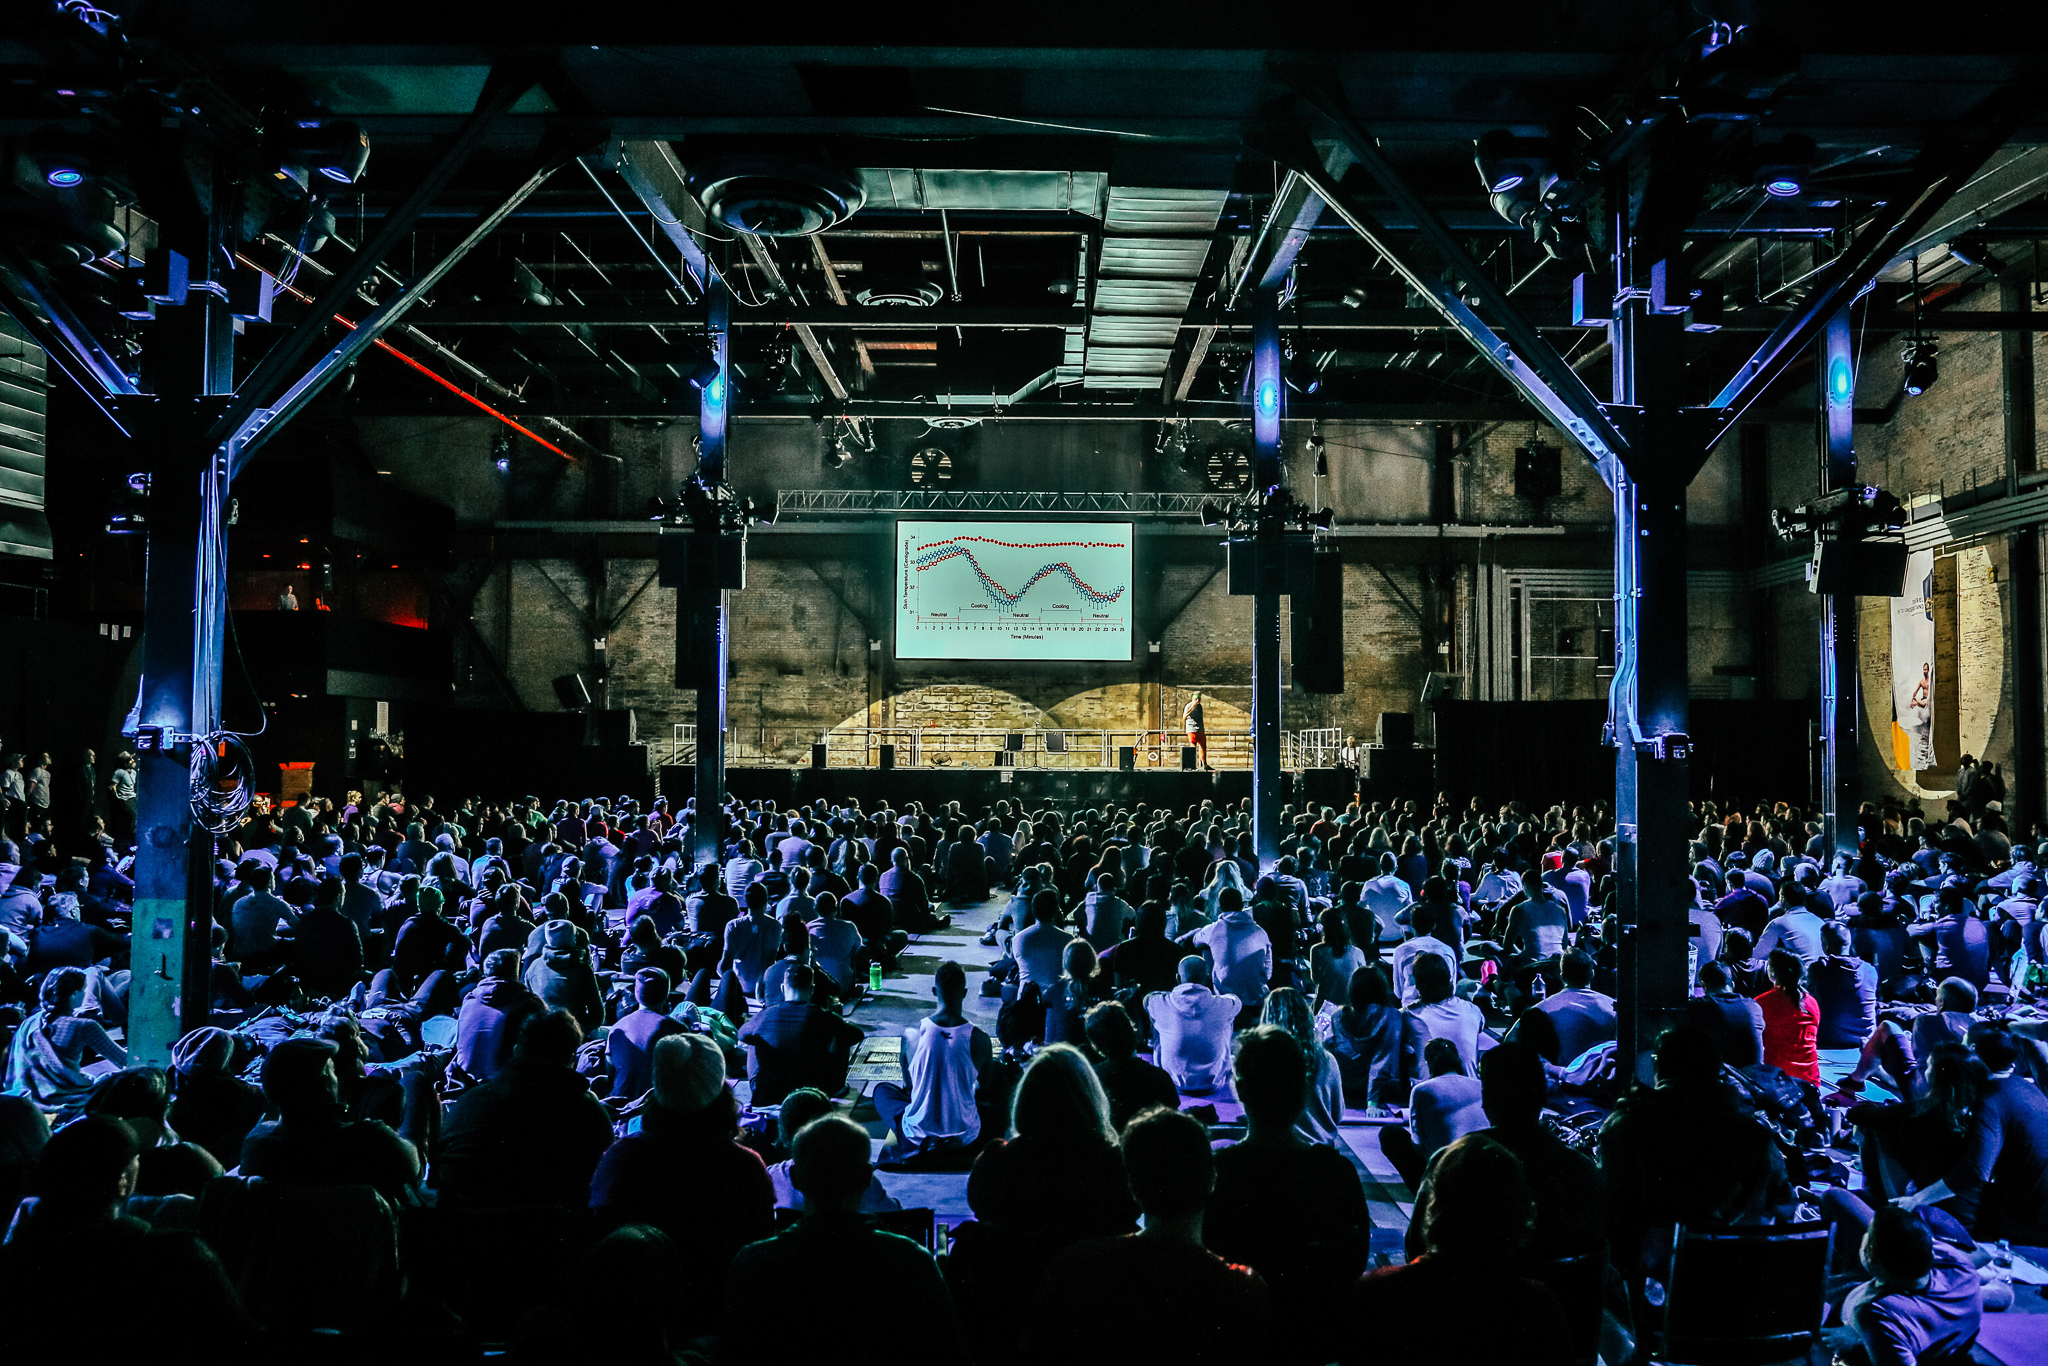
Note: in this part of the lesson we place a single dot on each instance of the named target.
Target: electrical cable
(221, 773)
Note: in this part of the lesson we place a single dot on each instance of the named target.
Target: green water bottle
(874, 977)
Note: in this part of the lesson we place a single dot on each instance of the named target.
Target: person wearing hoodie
(491, 1018)
(533, 1135)
(685, 1172)
(560, 972)
(1193, 1024)
(1240, 955)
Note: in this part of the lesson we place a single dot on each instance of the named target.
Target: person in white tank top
(933, 1110)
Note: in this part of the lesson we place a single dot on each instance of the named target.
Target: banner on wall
(1913, 667)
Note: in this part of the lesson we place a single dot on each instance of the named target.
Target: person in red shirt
(1791, 1020)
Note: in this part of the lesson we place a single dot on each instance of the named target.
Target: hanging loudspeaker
(1317, 611)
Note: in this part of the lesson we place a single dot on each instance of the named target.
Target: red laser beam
(445, 383)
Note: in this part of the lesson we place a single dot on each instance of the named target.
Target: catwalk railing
(990, 747)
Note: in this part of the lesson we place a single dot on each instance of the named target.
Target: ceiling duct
(985, 191)
(766, 195)
(1154, 244)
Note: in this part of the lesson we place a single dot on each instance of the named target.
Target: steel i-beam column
(2029, 787)
(1651, 771)
(1839, 691)
(1270, 553)
(709, 621)
(172, 955)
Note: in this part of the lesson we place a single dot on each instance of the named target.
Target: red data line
(451, 387)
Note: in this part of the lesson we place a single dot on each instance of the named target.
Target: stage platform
(975, 789)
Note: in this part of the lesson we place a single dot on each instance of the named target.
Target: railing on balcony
(987, 747)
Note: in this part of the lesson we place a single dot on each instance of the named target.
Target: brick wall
(800, 663)
(1948, 440)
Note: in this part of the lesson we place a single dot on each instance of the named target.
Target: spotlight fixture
(845, 442)
(1507, 163)
(1920, 356)
(1783, 167)
(338, 149)
(1214, 514)
(1304, 376)
(1971, 250)
(704, 374)
(1845, 514)
(65, 162)
(1319, 451)
(1266, 399)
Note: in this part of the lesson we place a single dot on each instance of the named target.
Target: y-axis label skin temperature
(1011, 590)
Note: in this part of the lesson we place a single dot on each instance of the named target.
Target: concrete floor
(906, 997)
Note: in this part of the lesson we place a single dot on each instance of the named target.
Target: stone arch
(940, 711)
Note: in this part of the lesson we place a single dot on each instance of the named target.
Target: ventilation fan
(1227, 465)
(931, 468)
(774, 196)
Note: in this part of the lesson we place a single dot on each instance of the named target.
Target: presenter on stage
(1191, 717)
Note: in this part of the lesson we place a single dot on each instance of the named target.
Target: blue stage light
(1841, 381)
(1782, 187)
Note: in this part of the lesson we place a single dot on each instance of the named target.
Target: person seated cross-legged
(1159, 1295)
(1475, 1221)
(797, 1043)
(933, 1111)
(787, 1295)
(1193, 1024)
(1291, 1209)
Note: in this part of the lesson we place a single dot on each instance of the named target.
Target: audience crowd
(531, 1075)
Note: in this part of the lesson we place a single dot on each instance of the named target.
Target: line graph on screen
(1035, 590)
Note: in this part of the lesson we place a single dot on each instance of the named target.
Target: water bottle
(874, 977)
